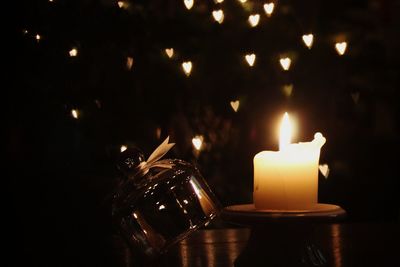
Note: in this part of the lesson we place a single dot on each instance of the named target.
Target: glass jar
(158, 209)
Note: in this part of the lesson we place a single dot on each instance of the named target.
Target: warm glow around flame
(285, 133)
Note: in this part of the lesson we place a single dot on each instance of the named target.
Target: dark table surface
(339, 245)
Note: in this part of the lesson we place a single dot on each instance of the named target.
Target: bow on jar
(154, 160)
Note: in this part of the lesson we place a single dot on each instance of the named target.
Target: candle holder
(282, 237)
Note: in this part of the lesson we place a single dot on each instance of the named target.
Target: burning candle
(288, 179)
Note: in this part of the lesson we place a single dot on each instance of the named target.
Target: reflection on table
(339, 245)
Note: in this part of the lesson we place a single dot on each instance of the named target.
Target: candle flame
(285, 132)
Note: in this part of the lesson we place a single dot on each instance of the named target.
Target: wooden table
(339, 245)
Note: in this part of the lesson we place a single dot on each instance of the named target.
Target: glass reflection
(209, 249)
(184, 253)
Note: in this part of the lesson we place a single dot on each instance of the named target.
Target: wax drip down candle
(288, 179)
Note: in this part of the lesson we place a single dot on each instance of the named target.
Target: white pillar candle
(288, 179)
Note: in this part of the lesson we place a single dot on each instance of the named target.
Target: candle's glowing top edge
(317, 143)
(265, 153)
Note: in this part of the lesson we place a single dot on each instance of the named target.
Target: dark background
(63, 169)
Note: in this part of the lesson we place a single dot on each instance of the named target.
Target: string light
(308, 40)
(218, 15)
(188, 4)
(341, 48)
(73, 52)
(235, 105)
(129, 63)
(123, 148)
(285, 63)
(269, 8)
(287, 90)
(187, 67)
(197, 142)
(169, 52)
(324, 169)
(250, 58)
(123, 4)
(254, 19)
(75, 113)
